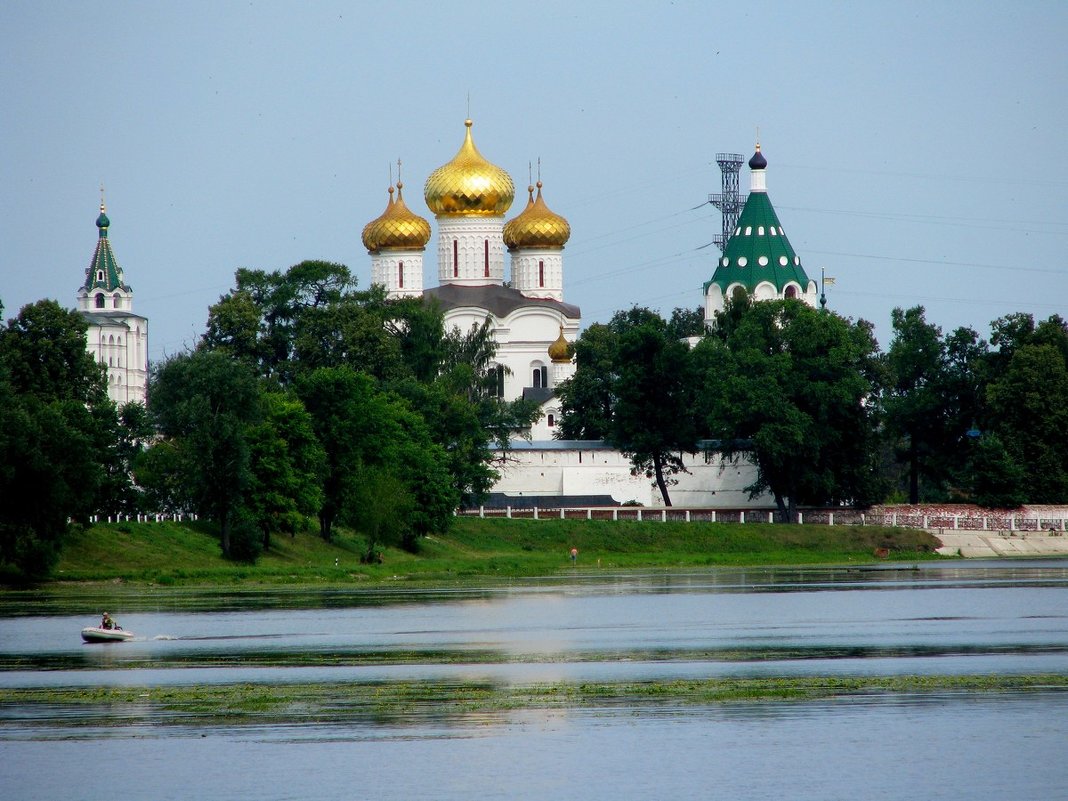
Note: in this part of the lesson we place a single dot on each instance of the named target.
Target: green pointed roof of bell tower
(758, 251)
(103, 271)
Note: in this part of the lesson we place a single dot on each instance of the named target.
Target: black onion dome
(758, 162)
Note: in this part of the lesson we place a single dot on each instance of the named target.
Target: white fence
(993, 521)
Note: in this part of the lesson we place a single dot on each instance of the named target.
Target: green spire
(103, 271)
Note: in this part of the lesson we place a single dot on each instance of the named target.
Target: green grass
(188, 554)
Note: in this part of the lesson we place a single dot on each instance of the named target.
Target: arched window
(116, 301)
(497, 386)
(790, 291)
(100, 300)
(487, 259)
(455, 259)
(99, 275)
(540, 377)
(541, 273)
(551, 420)
(400, 275)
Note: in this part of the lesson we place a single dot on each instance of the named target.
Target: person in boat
(106, 622)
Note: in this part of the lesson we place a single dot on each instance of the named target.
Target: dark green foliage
(787, 387)
(372, 439)
(55, 424)
(998, 479)
(1027, 409)
(203, 405)
(634, 387)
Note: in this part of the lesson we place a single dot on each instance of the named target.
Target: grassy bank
(188, 553)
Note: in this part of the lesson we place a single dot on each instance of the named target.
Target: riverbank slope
(188, 553)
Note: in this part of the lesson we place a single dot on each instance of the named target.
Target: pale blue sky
(916, 150)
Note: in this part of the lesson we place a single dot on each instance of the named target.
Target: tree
(286, 463)
(915, 403)
(587, 398)
(54, 419)
(1026, 405)
(998, 480)
(366, 432)
(203, 404)
(257, 322)
(653, 419)
(788, 388)
(634, 387)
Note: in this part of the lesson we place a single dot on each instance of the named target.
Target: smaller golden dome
(399, 228)
(560, 350)
(537, 227)
(469, 185)
(369, 229)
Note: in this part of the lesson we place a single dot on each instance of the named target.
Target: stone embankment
(1001, 543)
(970, 531)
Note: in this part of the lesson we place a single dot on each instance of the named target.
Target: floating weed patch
(238, 704)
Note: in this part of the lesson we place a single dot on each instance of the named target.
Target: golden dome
(537, 227)
(398, 228)
(368, 235)
(469, 185)
(560, 350)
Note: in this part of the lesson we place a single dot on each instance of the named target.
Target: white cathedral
(529, 320)
(533, 325)
(117, 338)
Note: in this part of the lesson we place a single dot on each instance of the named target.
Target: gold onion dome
(469, 185)
(398, 227)
(560, 350)
(369, 230)
(537, 226)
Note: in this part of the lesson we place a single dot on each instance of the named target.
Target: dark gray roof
(519, 444)
(538, 394)
(502, 500)
(110, 317)
(495, 298)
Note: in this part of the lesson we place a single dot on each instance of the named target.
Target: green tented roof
(103, 271)
(758, 251)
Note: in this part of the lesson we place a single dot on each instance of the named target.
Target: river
(997, 617)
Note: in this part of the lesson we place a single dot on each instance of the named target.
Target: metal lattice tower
(729, 202)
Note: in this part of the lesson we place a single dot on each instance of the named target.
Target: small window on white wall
(551, 419)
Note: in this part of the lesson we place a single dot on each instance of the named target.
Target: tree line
(825, 416)
(307, 399)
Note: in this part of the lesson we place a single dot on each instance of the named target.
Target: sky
(916, 150)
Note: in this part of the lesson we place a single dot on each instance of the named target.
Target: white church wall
(591, 468)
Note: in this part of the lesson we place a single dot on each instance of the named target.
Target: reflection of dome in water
(537, 226)
(398, 227)
(469, 185)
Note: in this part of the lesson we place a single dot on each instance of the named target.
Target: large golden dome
(398, 227)
(469, 185)
(536, 226)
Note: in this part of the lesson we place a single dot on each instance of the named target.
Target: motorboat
(97, 634)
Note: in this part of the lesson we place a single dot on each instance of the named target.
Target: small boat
(95, 634)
